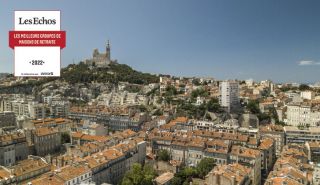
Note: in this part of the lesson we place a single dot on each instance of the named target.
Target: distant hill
(82, 73)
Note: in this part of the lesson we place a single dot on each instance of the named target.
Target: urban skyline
(182, 92)
(221, 39)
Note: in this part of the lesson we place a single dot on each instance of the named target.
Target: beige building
(13, 148)
(110, 165)
(301, 135)
(275, 132)
(303, 114)
(250, 158)
(46, 140)
(292, 167)
(268, 154)
(231, 174)
(24, 171)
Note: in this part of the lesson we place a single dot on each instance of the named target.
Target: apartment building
(268, 154)
(276, 132)
(13, 148)
(110, 165)
(250, 158)
(301, 135)
(303, 114)
(229, 174)
(24, 171)
(292, 167)
(46, 140)
(229, 95)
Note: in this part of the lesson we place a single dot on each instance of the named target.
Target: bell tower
(108, 52)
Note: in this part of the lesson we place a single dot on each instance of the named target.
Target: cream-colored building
(303, 114)
(13, 148)
(46, 140)
(231, 174)
(24, 171)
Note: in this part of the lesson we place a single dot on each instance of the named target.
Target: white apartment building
(302, 114)
(249, 82)
(36, 110)
(229, 94)
(309, 95)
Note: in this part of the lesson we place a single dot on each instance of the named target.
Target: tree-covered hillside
(114, 73)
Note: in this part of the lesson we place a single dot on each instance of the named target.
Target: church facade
(101, 60)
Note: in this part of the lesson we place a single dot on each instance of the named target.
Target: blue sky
(224, 39)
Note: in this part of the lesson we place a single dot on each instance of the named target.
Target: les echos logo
(37, 42)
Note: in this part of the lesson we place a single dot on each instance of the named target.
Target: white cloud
(308, 63)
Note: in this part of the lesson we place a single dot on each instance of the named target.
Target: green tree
(199, 92)
(139, 176)
(205, 166)
(213, 105)
(148, 175)
(65, 138)
(196, 82)
(158, 112)
(163, 155)
(304, 87)
(253, 107)
(264, 116)
(176, 181)
(171, 91)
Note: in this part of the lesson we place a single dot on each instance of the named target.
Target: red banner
(37, 39)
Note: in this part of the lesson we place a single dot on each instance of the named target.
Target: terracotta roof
(181, 119)
(95, 138)
(43, 131)
(271, 128)
(283, 180)
(245, 152)
(48, 179)
(71, 172)
(231, 170)
(29, 165)
(4, 174)
(266, 143)
(197, 142)
(12, 137)
(77, 135)
(253, 141)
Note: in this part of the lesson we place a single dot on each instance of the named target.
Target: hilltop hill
(82, 73)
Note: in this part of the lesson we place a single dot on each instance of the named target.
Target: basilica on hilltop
(101, 60)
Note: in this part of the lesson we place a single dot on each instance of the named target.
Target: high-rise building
(229, 95)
